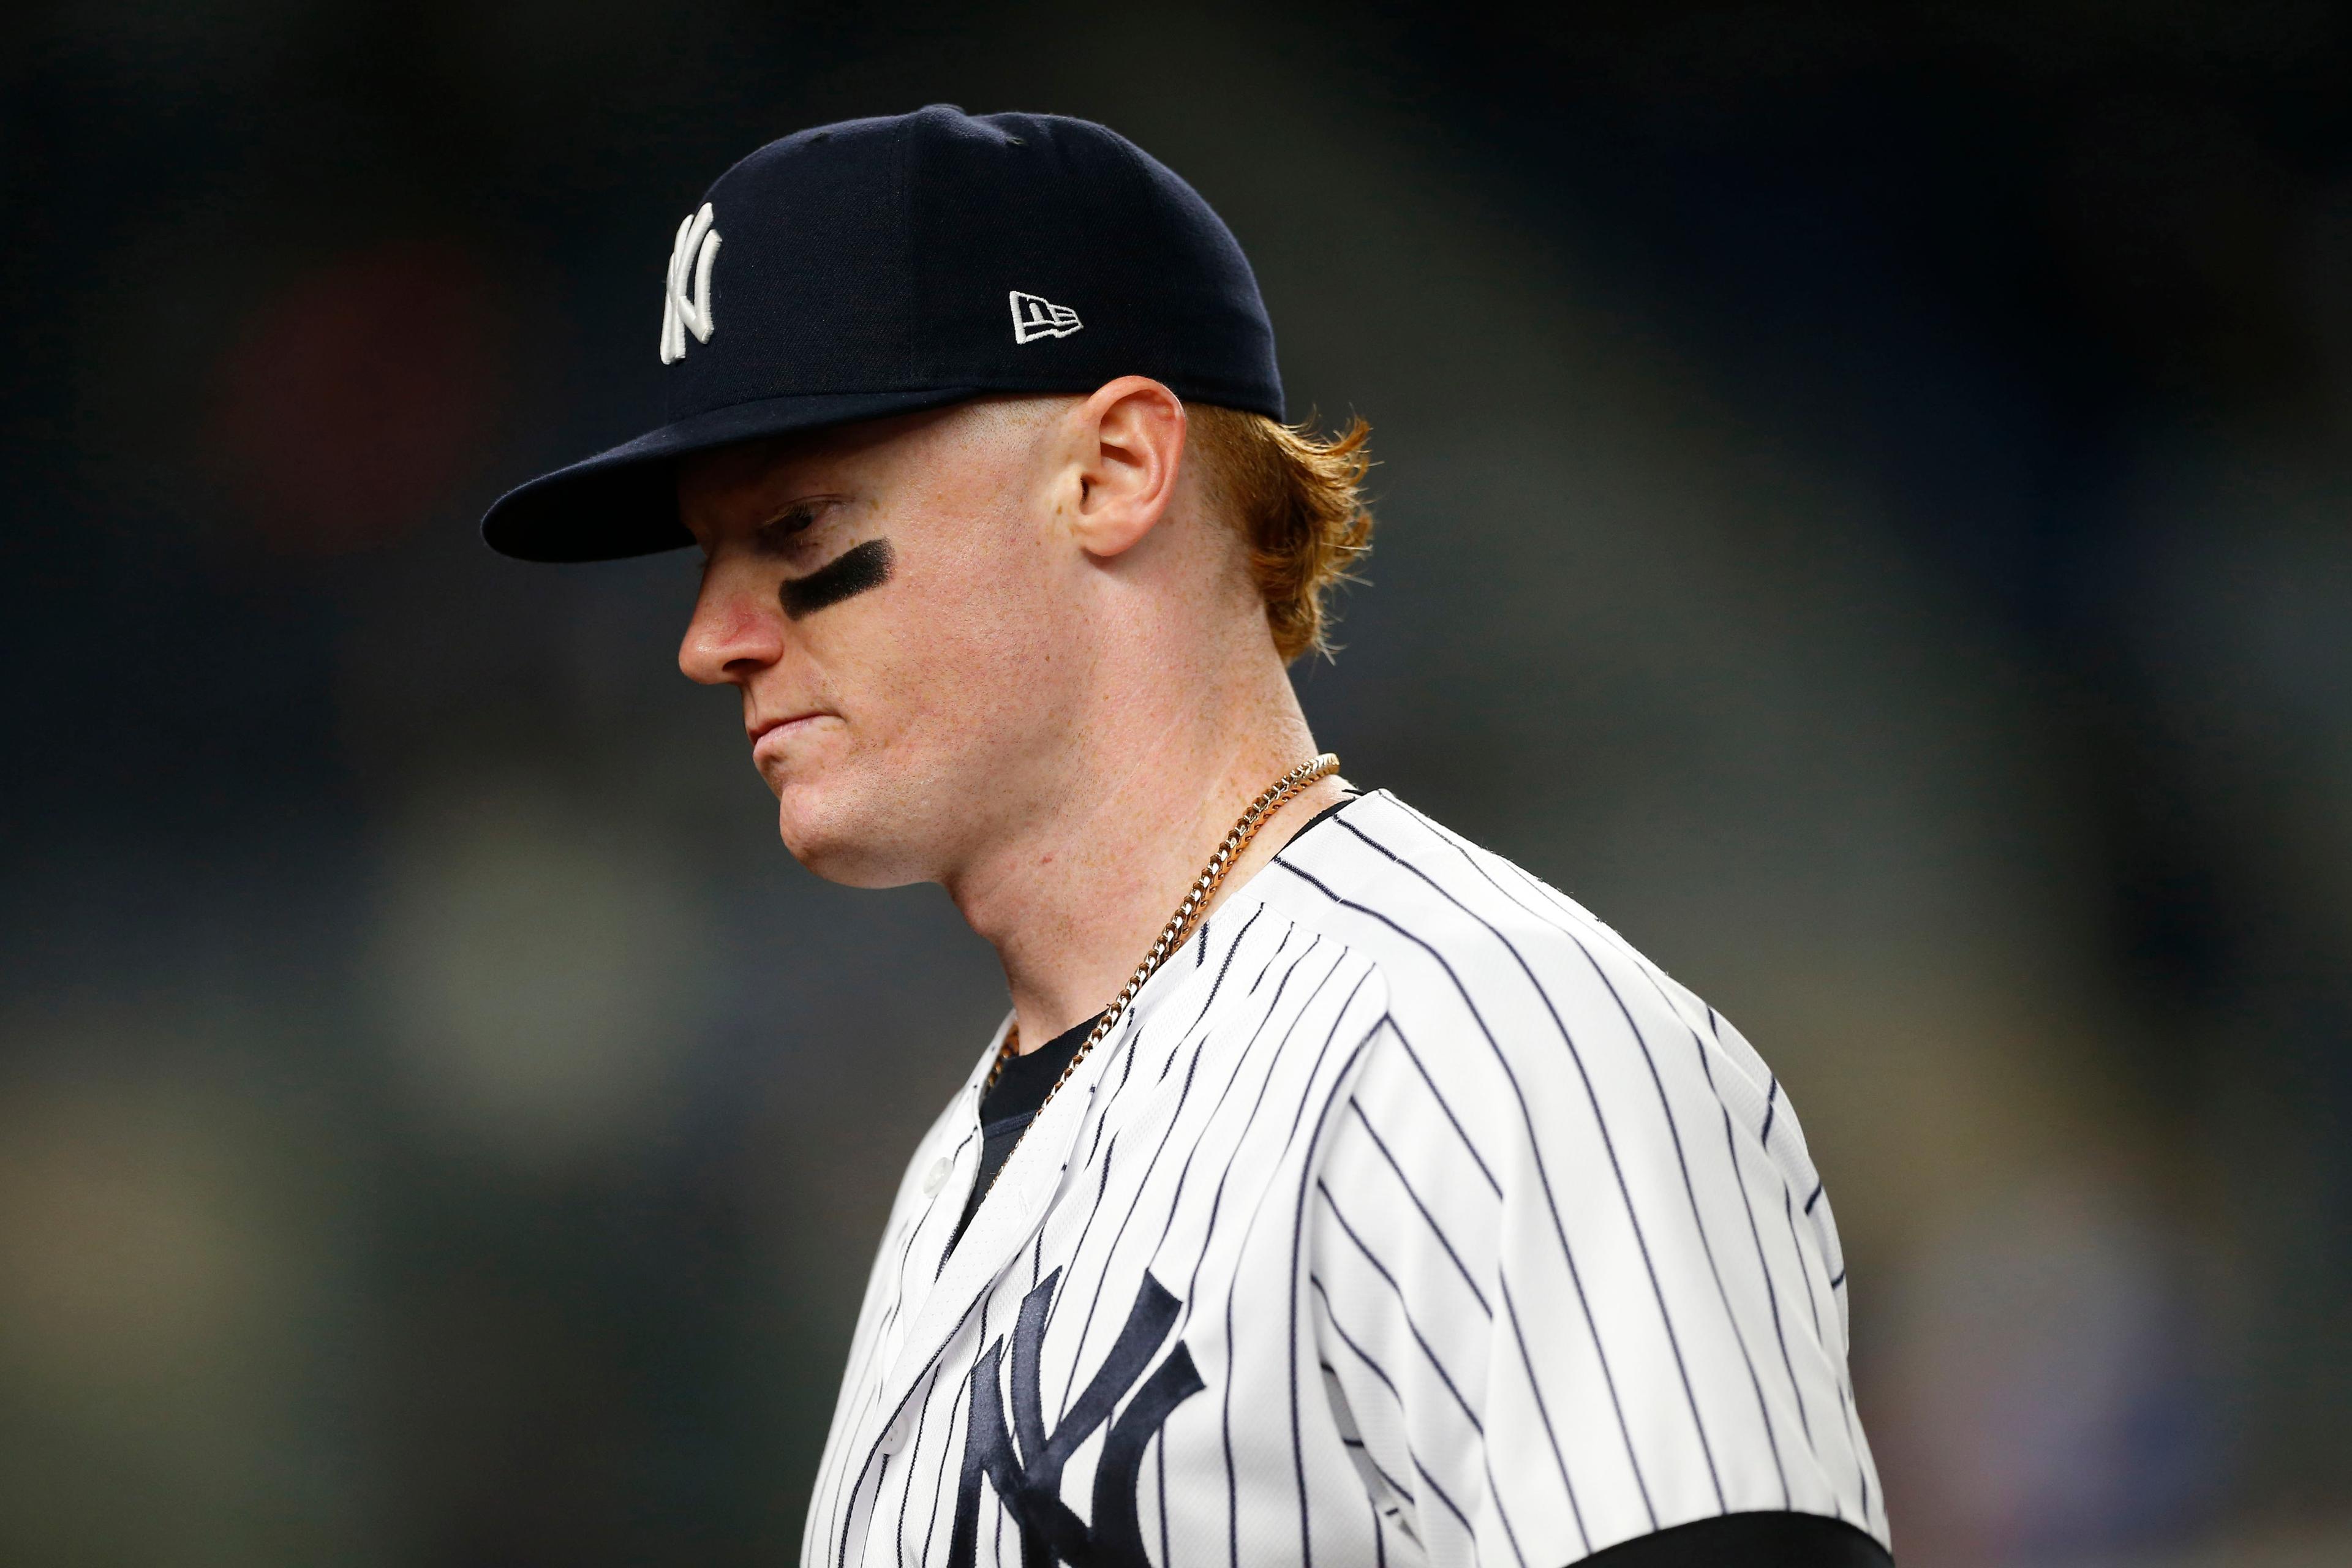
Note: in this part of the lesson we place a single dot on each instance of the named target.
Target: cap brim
(623, 501)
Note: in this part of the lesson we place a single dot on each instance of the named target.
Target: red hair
(1297, 501)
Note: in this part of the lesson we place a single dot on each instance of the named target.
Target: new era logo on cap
(1035, 317)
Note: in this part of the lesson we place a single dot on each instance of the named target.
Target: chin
(843, 844)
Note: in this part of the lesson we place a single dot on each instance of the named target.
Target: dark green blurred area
(1865, 507)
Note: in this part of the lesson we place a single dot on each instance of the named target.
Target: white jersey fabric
(1408, 1217)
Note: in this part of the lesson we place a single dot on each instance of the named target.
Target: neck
(1073, 899)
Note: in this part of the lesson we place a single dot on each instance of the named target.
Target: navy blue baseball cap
(879, 266)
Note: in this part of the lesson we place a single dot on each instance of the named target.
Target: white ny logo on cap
(697, 247)
(1035, 316)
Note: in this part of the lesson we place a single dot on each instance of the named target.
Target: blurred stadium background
(1865, 507)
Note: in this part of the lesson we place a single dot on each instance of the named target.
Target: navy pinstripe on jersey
(1411, 1217)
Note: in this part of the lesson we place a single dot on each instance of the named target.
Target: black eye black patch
(846, 577)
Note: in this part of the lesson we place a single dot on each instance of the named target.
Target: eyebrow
(847, 576)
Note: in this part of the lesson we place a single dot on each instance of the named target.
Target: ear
(1130, 441)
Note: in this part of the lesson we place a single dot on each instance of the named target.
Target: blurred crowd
(1867, 507)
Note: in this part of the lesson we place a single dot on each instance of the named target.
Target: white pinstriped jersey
(1409, 1217)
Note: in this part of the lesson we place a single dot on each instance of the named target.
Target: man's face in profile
(884, 597)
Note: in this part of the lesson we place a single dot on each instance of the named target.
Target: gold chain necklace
(1180, 924)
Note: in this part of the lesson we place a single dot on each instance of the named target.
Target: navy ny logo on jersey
(1025, 1465)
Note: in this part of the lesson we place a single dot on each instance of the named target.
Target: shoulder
(1394, 881)
(1465, 937)
(1503, 992)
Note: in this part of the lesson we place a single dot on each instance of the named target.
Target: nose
(735, 632)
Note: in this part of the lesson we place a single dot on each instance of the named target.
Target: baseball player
(1335, 1192)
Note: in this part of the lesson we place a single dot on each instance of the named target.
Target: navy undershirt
(1012, 1102)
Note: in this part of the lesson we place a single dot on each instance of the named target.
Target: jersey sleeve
(1565, 1279)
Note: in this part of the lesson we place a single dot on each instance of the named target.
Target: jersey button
(936, 1177)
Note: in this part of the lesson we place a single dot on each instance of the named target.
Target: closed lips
(762, 731)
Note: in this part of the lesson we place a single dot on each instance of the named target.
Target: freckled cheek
(953, 649)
